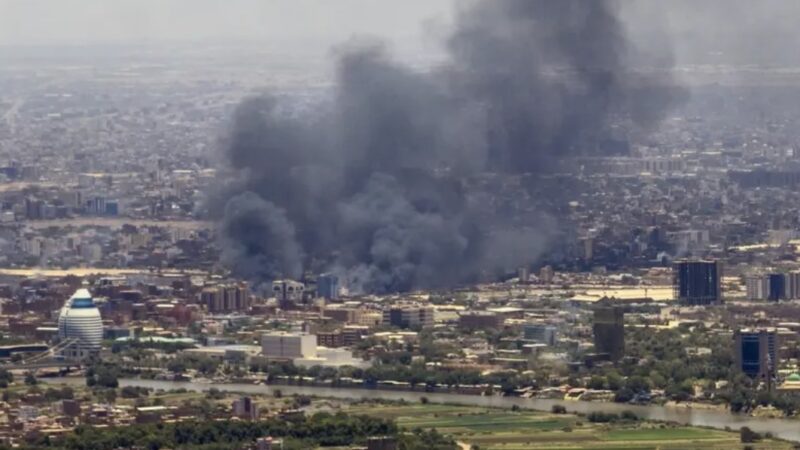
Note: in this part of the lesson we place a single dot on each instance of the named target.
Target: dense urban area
(659, 305)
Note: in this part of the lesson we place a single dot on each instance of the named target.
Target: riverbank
(782, 428)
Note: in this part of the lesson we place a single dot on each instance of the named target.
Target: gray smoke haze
(736, 32)
(375, 184)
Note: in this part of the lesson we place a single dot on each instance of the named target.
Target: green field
(668, 434)
(497, 429)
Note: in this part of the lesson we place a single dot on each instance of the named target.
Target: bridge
(50, 358)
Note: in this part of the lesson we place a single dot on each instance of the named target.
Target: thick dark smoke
(375, 185)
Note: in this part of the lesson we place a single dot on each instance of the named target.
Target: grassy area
(497, 429)
(658, 434)
(485, 422)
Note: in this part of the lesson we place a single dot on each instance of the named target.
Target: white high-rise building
(289, 345)
(80, 320)
(757, 287)
(288, 291)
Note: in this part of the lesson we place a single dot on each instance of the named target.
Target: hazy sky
(743, 29)
(91, 21)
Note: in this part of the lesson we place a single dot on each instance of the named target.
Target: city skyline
(422, 225)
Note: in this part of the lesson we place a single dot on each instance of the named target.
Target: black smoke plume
(375, 184)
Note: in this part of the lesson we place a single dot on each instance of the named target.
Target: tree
(108, 395)
(614, 380)
(657, 380)
(601, 417)
(130, 392)
(680, 392)
(748, 436)
(107, 378)
(596, 382)
(623, 395)
(637, 384)
(67, 393)
(30, 379)
(102, 375)
(215, 394)
(302, 401)
(207, 366)
(6, 376)
(176, 366)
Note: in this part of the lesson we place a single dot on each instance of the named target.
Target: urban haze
(385, 225)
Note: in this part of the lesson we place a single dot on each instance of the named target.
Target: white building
(757, 287)
(289, 345)
(332, 357)
(91, 252)
(80, 320)
(792, 285)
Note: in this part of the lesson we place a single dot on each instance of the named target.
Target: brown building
(480, 320)
(353, 334)
(71, 408)
(344, 315)
(382, 443)
(226, 298)
(409, 316)
(609, 331)
(332, 339)
(244, 408)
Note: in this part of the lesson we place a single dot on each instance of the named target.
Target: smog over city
(373, 183)
(399, 225)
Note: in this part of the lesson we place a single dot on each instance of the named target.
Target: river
(788, 429)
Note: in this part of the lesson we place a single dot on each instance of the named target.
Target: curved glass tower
(80, 321)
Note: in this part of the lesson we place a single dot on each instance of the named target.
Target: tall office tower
(777, 287)
(546, 275)
(609, 331)
(793, 285)
(244, 408)
(523, 275)
(328, 286)
(540, 333)
(80, 322)
(288, 292)
(757, 287)
(698, 282)
(226, 298)
(756, 353)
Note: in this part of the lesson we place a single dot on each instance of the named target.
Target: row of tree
(321, 429)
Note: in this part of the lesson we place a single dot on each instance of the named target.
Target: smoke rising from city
(374, 185)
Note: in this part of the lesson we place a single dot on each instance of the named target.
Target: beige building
(289, 345)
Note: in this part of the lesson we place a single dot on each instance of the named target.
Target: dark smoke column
(376, 185)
